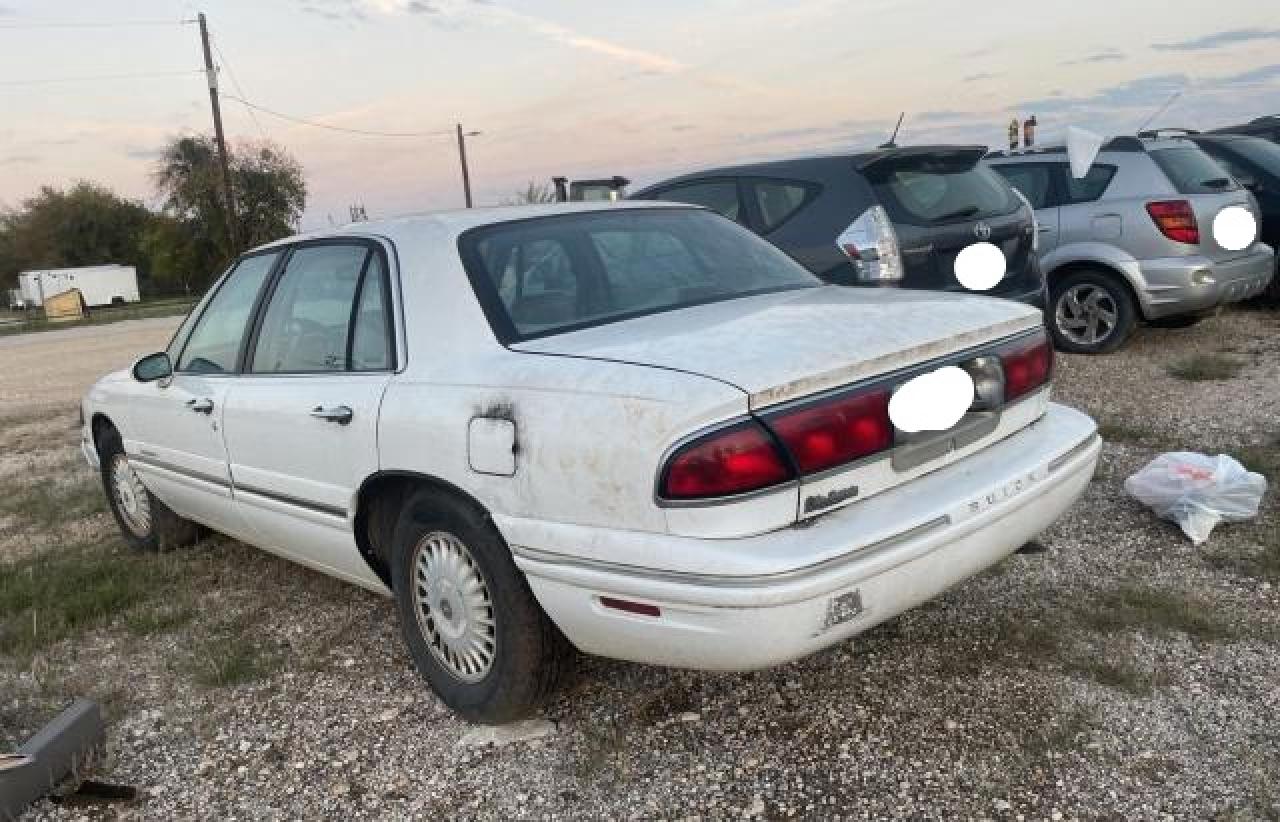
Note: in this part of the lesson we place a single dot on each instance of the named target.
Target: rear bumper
(1184, 285)
(801, 589)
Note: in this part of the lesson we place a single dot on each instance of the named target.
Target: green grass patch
(1125, 674)
(1205, 367)
(1133, 607)
(162, 618)
(59, 594)
(47, 504)
(231, 660)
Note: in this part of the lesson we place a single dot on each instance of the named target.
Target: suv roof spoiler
(1155, 133)
(971, 154)
(1114, 144)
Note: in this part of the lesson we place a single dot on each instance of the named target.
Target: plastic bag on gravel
(1198, 491)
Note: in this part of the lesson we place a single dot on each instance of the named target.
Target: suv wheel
(473, 627)
(1090, 313)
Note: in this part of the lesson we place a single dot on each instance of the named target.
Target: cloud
(943, 115)
(6, 11)
(19, 160)
(1150, 90)
(143, 153)
(1104, 56)
(1221, 39)
(979, 77)
(421, 7)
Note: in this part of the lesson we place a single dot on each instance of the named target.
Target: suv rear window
(553, 274)
(1192, 171)
(937, 190)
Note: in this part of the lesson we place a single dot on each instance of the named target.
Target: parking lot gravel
(1120, 673)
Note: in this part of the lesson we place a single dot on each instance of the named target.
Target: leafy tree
(84, 225)
(269, 193)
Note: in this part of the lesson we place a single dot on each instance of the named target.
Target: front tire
(1090, 313)
(146, 523)
(472, 626)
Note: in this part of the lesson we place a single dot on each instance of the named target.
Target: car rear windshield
(1192, 171)
(1262, 153)
(553, 274)
(932, 190)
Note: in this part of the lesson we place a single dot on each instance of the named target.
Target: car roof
(455, 222)
(766, 168)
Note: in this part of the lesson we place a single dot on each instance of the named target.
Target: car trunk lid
(778, 347)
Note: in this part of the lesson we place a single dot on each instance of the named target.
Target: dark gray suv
(892, 216)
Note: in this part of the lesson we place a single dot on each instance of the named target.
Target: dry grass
(1205, 367)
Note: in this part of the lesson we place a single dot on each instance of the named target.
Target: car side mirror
(153, 367)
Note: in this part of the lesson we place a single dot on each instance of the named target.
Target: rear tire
(146, 523)
(473, 628)
(1090, 312)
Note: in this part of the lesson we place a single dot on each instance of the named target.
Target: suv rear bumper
(1184, 285)
(838, 575)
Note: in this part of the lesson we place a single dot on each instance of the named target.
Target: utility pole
(212, 74)
(462, 155)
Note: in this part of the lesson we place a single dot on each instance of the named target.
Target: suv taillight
(1176, 220)
(733, 460)
(835, 430)
(1027, 366)
(871, 245)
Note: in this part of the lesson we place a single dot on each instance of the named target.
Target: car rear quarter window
(721, 196)
(1088, 188)
(779, 200)
(553, 274)
(1034, 180)
(928, 191)
(1192, 171)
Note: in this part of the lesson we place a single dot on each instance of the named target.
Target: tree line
(177, 249)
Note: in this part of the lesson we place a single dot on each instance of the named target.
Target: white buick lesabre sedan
(637, 430)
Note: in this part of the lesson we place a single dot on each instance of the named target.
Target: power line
(235, 82)
(103, 24)
(315, 124)
(40, 81)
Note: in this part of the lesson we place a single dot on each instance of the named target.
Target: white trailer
(99, 284)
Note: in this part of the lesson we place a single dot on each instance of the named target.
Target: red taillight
(1176, 220)
(731, 461)
(1026, 367)
(835, 431)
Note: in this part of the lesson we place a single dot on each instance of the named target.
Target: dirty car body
(640, 427)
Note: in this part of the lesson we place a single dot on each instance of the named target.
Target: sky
(91, 89)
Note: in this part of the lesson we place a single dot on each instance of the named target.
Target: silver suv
(1133, 239)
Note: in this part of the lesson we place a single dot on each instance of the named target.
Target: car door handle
(201, 406)
(341, 414)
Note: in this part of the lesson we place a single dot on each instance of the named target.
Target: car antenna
(894, 136)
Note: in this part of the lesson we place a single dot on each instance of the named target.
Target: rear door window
(1034, 180)
(1192, 171)
(779, 200)
(721, 196)
(934, 191)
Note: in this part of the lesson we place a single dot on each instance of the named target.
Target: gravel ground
(1119, 674)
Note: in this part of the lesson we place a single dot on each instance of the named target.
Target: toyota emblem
(982, 231)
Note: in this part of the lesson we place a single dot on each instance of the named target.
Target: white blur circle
(932, 402)
(1234, 228)
(980, 266)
